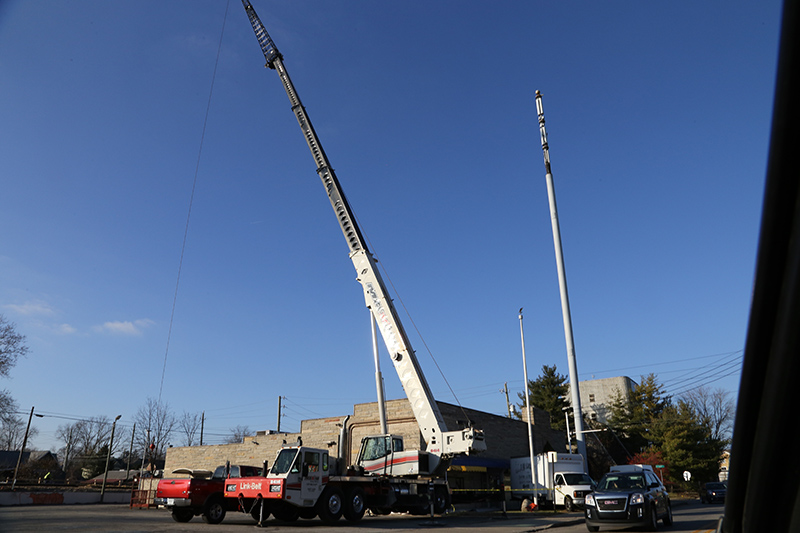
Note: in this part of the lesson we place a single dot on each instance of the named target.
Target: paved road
(689, 518)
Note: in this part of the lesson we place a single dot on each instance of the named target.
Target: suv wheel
(668, 517)
(653, 524)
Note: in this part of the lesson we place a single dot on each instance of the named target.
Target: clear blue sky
(658, 117)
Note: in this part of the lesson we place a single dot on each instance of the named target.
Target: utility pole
(280, 398)
(144, 456)
(66, 453)
(130, 452)
(508, 402)
(562, 284)
(202, 426)
(24, 442)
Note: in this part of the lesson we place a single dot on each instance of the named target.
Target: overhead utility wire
(707, 380)
(695, 387)
(191, 201)
(740, 352)
(692, 375)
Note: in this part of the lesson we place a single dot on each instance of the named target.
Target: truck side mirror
(305, 470)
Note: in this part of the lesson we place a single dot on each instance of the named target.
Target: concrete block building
(596, 395)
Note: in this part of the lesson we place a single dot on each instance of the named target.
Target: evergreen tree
(547, 392)
(632, 417)
(687, 443)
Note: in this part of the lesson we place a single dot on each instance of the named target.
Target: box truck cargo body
(561, 479)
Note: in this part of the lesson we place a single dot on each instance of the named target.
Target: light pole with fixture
(108, 457)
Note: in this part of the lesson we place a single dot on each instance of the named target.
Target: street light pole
(566, 419)
(108, 457)
(24, 442)
(531, 450)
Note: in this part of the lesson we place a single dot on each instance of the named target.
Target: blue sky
(658, 119)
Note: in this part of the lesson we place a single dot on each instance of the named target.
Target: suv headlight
(637, 498)
(589, 499)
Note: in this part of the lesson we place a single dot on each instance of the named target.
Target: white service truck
(561, 479)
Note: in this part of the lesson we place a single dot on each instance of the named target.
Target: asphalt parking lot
(119, 518)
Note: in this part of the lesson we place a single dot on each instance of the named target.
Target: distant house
(33, 464)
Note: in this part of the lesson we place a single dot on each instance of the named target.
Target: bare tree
(12, 432)
(189, 425)
(12, 347)
(85, 445)
(715, 409)
(69, 436)
(154, 421)
(92, 434)
(8, 407)
(237, 434)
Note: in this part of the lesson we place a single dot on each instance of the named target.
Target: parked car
(713, 491)
(634, 497)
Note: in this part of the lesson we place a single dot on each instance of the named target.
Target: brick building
(505, 438)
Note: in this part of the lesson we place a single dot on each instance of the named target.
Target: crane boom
(426, 411)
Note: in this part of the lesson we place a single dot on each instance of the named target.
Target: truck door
(558, 493)
(315, 465)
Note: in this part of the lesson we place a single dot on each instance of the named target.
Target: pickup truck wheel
(182, 515)
(568, 507)
(354, 506)
(329, 506)
(214, 512)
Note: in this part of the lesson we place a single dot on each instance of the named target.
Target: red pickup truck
(202, 493)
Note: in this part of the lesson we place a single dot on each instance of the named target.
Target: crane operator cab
(385, 455)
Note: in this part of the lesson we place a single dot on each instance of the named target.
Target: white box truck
(561, 479)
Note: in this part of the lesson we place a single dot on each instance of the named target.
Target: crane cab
(385, 455)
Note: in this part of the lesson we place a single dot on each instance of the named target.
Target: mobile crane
(303, 481)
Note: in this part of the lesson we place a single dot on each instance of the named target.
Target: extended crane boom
(439, 440)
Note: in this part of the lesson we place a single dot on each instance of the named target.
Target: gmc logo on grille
(611, 502)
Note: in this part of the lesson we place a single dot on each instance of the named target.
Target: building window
(591, 398)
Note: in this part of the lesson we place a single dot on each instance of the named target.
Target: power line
(663, 363)
(191, 201)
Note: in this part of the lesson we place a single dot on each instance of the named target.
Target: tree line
(85, 442)
(647, 426)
